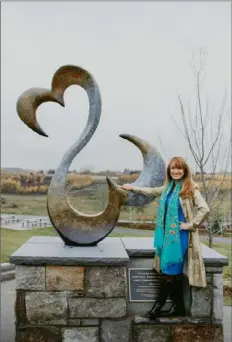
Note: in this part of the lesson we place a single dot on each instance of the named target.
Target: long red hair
(187, 187)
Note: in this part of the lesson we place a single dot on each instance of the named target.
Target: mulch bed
(227, 291)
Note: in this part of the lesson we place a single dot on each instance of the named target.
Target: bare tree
(210, 148)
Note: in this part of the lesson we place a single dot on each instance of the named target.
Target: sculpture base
(51, 250)
(82, 294)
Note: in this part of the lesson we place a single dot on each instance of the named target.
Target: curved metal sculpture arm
(74, 227)
(152, 175)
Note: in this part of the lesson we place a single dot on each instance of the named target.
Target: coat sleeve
(202, 210)
(148, 191)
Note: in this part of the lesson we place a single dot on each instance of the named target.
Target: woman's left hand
(184, 226)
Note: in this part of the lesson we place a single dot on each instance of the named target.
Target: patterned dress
(176, 269)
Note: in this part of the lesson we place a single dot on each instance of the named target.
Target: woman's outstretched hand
(184, 226)
(127, 187)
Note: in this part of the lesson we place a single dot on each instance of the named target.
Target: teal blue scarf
(167, 242)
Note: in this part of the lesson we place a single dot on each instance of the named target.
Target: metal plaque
(144, 284)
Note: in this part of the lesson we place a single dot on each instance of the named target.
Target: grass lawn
(225, 249)
(11, 240)
(25, 204)
(227, 234)
(37, 205)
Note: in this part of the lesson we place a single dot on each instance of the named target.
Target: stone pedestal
(80, 294)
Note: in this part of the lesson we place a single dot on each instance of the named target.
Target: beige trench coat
(195, 211)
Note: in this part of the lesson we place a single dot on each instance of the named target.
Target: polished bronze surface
(74, 227)
(152, 175)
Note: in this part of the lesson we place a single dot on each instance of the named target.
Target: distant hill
(15, 170)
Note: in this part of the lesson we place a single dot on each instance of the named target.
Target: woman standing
(182, 209)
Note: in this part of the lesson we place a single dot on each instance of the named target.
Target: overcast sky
(139, 54)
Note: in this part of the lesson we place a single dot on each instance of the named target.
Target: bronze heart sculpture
(74, 227)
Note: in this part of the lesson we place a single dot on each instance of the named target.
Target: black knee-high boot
(177, 296)
(165, 290)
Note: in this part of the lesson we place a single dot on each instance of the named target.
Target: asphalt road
(8, 318)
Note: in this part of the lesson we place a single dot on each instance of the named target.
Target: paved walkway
(7, 314)
(18, 226)
(219, 239)
(24, 222)
(7, 311)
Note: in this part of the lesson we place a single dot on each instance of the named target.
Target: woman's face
(176, 173)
